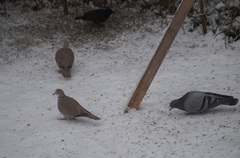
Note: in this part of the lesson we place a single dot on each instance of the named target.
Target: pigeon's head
(173, 104)
(178, 103)
(59, 92)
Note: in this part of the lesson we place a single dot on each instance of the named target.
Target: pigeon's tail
(79, 17)
(230, 101)
(226, 100)
(91, 116)
(234, 101)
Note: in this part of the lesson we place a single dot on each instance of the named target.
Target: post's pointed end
(129, 109)
(126, 110)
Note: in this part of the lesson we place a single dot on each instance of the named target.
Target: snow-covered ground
(104, 76)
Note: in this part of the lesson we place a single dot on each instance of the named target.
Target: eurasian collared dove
(64, 58)
(198, 102)
(70, 108)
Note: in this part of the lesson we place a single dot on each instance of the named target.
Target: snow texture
(220, 6)
(104, 76)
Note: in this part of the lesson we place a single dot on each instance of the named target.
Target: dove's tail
(91, 116)
(88, 114)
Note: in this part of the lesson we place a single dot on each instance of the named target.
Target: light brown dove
(64, 58)
(70, 108)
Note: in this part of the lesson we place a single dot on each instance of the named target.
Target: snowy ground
(105, 73)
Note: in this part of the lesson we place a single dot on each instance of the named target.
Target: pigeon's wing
(217, 95)
(196, 102)
(207, 103)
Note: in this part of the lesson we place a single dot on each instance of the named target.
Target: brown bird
(64, 58)
(70, 108)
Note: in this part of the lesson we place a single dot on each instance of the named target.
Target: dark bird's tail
(234, 101)
(224, 99)
(79, 17)
(229, 101)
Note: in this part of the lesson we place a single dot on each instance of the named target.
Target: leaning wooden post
(160, 54)
(65, 7)
(203, 16)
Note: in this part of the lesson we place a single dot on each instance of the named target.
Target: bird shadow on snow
(83, 121)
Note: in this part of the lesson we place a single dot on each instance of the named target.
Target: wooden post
(203, 17)
(65, 7)
(160, 54)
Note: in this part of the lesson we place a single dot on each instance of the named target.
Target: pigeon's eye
(69, 67)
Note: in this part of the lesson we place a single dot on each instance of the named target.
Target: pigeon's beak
(170, 109)
(54, 93)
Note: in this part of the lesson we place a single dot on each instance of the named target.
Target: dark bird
(198, 102)
(64, 58)
(70, 108)
(97, 16)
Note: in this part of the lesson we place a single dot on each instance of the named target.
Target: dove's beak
(54, 93)
(170, 109)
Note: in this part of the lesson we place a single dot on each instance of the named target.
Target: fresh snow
(104, 76)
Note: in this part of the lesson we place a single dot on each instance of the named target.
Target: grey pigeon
(198, 102)
(70, 108)
(64, 58)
